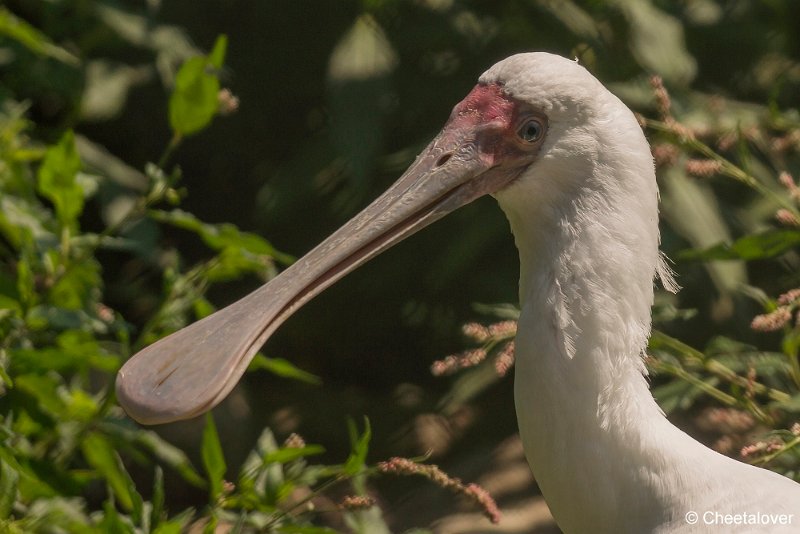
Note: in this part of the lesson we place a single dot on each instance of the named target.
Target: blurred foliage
(116, 195)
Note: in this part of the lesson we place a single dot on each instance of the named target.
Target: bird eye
(531, 131)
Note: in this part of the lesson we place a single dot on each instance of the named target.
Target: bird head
(524, 110)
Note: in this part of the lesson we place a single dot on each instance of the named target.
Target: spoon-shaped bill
(190, 371)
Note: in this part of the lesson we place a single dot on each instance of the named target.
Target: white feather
(585, 221)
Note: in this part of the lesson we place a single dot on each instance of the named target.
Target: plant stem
(681, 373)
(728, 168)
(173, 144)
(785, 448)
(728, 374)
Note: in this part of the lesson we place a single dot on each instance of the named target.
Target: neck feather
(588, 245)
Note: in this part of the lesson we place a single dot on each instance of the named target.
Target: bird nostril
(444, 159)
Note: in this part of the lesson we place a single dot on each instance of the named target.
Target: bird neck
(586, 290)
(588, 244)
(588, 250)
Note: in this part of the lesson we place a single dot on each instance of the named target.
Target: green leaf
(282, 368)
(166, 453)
(73, 350)
(158, 497)
(501, 311)
(102, 456)
(256, 477)
(57, 179)
(193, 102)
(740, 357)
(217, 55)
(5, 378)
(360, 446)
(43, 388)
(77, 286)
(31, 38)
(221, 236)
(9, 477)
(657, 40)
(26, 286)
(170, 527)
(175, 525)
(760, 246)
(693, 212)
(24, 222)
(112, 522)
(289, 454)
(792, 405)
(213, 458)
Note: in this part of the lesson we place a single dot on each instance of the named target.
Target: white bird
(572, 170)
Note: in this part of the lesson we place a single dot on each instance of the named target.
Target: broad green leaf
(102, 456)
(73, 350)
(501, 311)
(202, 307)
(264, 480)
(213, 458)
(740, 357)
(221, 236)
(289, 454)
(9, 477)
(66, 513)
(165, 452)
(211, 524)
(26, 288)
(283, 368)
(81, 406)
(112, 522)
(23, 221)
(57, 179)
(193, 102)
(53, 318)
(170, 455)
(217, 55)
(760, 246)
(170, 527)
(231, 263)
(695, 213)
(572, 16)
(6, 379)
(360, 446)
(657, 41)
(76, 288)
(11, 304)
(793, 405)
(158, 498)
(32, 39)
(43, 388)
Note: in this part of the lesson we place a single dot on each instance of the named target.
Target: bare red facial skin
(485, 103)
(495, 118)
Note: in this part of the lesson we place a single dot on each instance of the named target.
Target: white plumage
(572, 170)
(585, 221)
